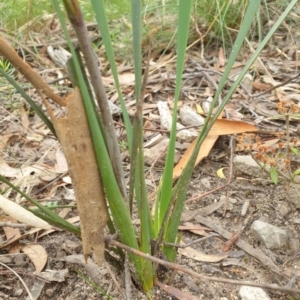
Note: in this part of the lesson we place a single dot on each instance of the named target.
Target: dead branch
(183, 269)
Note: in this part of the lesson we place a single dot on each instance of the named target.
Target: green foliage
(163, 227)
(273, 175)
(117, 9)
(36, 108)
(7, 67)
(123, 146)
(165, 201)
(223, 16)
(294, 150)
(15, 13)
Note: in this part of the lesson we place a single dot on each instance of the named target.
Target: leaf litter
(32, 159)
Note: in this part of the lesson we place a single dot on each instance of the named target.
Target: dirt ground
(246, 197)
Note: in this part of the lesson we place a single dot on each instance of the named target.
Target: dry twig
(183, 269)
(114, 279)
(14, 225)
(23, 283)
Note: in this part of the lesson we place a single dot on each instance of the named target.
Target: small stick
(288, 139)
(205, 194)
(114, 279)
(127, 278)
(232, 146)
(19, 277)
(183, 269)
(161, 130)
(14, 225)
(191, 243)
(275, 86)
(49, 184)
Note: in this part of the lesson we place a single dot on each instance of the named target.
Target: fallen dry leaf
(54, 275)
(197, 229)
(92, 269)
(178, 294)
(12, 240)
(222, 60)
(61, 165)
(21, 214)
(220, 173)
(260, 86)
(199, 256)
(203, 152)
(224, 127)
(10, 232)
(70, 220)
(4, 139)
(37, 255)
(24, 118)
(221, 127)
(124, 79)
(28, 172)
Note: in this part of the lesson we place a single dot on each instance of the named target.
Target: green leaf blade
(273, 174)
(165, 193)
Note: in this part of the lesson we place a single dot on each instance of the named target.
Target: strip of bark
(74, 135)
(100, 93)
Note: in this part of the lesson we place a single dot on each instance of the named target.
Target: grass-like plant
(162, 227)
(217, 20)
